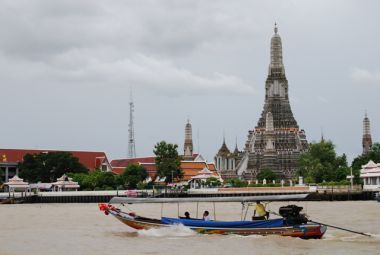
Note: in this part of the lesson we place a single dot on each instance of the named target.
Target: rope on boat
(344, 229)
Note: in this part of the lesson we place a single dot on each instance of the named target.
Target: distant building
(191, 165)
(10, 158)
(190, 168)
(119, 165)
(65, 183)
(367, 139)
(370, 173)
(225, 161)
(193, 168)
(277, 141)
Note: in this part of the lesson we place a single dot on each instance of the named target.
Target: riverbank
(316, 193)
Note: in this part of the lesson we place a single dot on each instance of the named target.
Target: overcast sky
(66, 69)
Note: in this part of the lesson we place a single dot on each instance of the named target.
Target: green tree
(373, 154)
(168, 161)
(267, 174)
(81, 179)
(133, 176)
(47, 167)
(95, 180)
(236, 182)
(213, 182)
(321, 163)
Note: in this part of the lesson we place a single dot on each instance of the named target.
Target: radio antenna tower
(131, 130)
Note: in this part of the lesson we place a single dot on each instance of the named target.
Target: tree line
(47, 167)
(319, 164)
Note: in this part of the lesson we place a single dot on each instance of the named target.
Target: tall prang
(188, 145)
(367, 138)
(276, 142)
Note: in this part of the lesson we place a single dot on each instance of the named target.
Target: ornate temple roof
(224, 149)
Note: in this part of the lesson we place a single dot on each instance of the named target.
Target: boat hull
(306, 231)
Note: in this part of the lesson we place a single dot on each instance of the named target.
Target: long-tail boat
(292, 222)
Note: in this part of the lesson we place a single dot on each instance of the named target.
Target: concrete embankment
(316, 193)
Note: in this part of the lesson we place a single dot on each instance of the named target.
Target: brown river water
(58, 229)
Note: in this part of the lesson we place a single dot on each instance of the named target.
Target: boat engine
(292, 215)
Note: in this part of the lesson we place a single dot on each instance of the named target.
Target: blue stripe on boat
(224, 224)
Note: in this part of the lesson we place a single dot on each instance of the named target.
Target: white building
(371, 176)
(65, 183)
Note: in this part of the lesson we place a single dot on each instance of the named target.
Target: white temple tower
(188, 146)
(367, 138)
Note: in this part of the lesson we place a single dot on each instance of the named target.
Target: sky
(67, 69)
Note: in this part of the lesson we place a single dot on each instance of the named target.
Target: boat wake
(171, 231)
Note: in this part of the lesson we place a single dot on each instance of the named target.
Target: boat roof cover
(224, 224)
(136, 200)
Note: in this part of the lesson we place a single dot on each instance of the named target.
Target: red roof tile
(90, 159)
(125, 162)
(150, 168)
(189, 168)
(118, 170)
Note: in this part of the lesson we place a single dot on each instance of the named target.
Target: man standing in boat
(262, 214)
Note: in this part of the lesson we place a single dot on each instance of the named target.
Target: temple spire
(276, 66)
(367, 138)
(236, 151)
(188, 146)
(322, 135)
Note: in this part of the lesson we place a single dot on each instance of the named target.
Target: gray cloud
(66, 68)
(364, 76)
(99, 44)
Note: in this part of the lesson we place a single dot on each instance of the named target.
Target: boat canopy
(135, 200)
(224, 224)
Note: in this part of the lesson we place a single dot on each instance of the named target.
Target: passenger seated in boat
(262, 214)
(206, 216)
(186, 217)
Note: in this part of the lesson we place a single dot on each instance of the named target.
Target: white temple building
(198, 180)
(17, 184)
(65, 183)
(371, 175)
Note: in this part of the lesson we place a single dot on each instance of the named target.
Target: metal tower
(131, 131)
